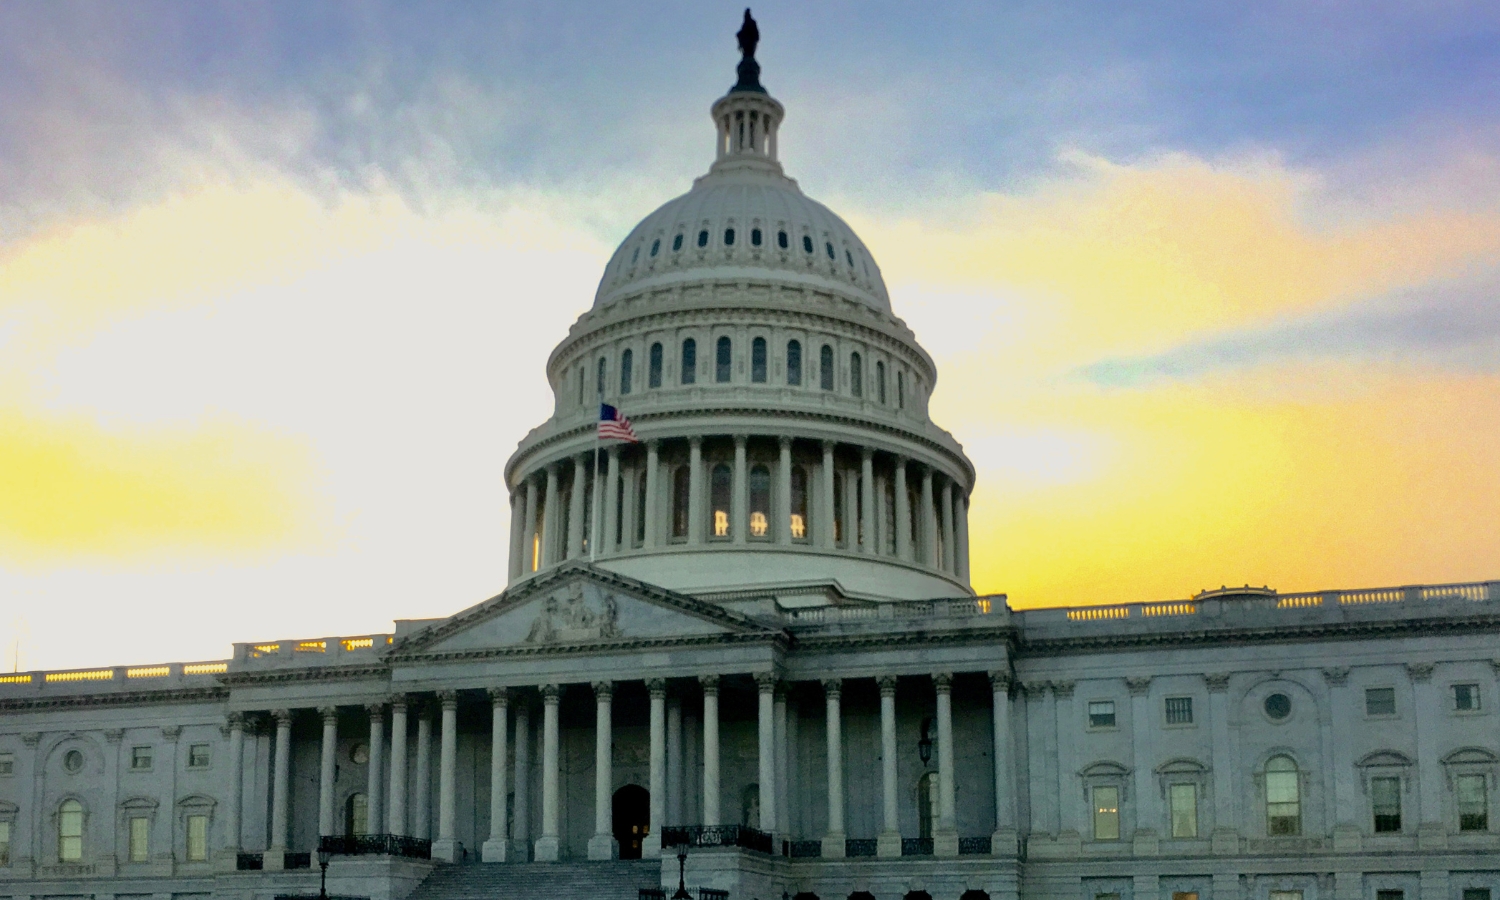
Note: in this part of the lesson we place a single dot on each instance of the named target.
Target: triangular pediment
(578, 605)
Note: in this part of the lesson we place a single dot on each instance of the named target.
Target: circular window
(360, 754)
(73, 760)
(1278, 706)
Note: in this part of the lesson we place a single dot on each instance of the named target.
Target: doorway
(632, 819)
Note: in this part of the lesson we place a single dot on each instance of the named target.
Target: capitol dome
(785, 452)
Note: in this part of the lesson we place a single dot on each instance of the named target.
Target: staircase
(612, 880)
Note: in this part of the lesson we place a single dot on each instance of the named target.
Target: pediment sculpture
(571, 619)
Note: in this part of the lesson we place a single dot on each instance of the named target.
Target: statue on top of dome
(749, 69)
(748, 35)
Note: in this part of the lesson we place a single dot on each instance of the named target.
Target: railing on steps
(717, 836)
(376, 845)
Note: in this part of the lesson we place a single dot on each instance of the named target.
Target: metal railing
(860, 847)
(717, 836)
(974, 846)
(250, 862)
(916, 846)
(376, 845)
(804, 849)
(298, 861)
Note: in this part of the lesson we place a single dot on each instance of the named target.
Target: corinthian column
(651, 847)
(765, 684)
(280, 790)
(929, 543)
(376, 770)
(784, 493)
(530, 556)
(696, 500)
(1003, 842)
(833, 841)
(888, 842)
(609, 545)
(710, 749)
(232, 814)
(945, 841)
(497, 848)
(903, 513)
(521, 819)
(551, 516)
(396, 800)
(603, 845)
(517, 532)
(739, 508)
(950, 541)
(575, 506)
(826, 514)
(869, 541)
(548, 845)
(653, 467)
(446, 846)
(327, 765)
(422, 795)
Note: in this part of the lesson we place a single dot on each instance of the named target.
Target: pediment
(575, 606)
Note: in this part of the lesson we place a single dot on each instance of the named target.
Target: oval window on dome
(847, 255)
(677, 243)
(635, 256)
(806, 244)
(729, 237)
(703, 238)
(829, 248)
(781, 239)
(655, 246)
(755, 236)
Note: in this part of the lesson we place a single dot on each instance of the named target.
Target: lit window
(357, 815)
(703, 238)
(654, 374)
(1380, 701)
(856, 375)
(720, 485)
(655, 246)
(7, 764)
(729, 237)
(722, 360)
(798, 521)
(681, 481)
(781, 239)
(689, 372)
(197, 838)
(807, 243)
(4, 844)
(760, 501)
(755, 236)
(758, 360)
(70, 831)
(1179, 710)
(1283, 797)
(198, 756)
(1465, 698)
(1184, 895)
(880, 383)
(794, 362)
(140, 758)
(1278, 706)
(1385, 802)
(825, 368)
(140, 839)
(1102, 714)
(627, 366)
(1285, 895)
(1184, 802)
(676, 243)
(1473, 802)
(1106, 813)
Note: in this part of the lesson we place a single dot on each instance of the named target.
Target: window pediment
(1470, 756)
(196, 803)
(139, 804)
(1182, 766)
(1384, 758)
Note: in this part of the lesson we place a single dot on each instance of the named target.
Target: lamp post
(682, 891)
(324, 855)
(924, 746)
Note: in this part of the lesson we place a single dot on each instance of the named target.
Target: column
(696, 499)
(1069, 784)
(396, 797)
(945, 841)
(280, 789)
(1429, 702)
(327, 763)
(608, 546)
(888, 842)
(575, 505)
(528, 539)
(517, 532)
(870, 543)
(547, 846)
(783, 799)
(1225, 836)
(236, 723)
(520, 826)
(422, 795)
(949, 543)
(375, 771)
(851, 509)
(653, 464)
(765, 684)
(833, 841)
(710, 749)
(603, 845)
(596, 515)
(550, 519)
(1143, 728)
(903, 513)
(446, 846)
(675, 787)
(651, 847)
(783, 514)
(928, 541)
(792, 789)
(825, 509)
(961, 515)
(739, 515)
(497, 848)
(1003, 841)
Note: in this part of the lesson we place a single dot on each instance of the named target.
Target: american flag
(614, 426)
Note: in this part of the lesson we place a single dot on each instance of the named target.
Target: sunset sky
(1213, 288)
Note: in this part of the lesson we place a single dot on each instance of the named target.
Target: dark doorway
(632, 817)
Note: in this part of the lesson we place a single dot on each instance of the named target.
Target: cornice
(313, 673)
(125, 698)
(843, 642)
(772, 638)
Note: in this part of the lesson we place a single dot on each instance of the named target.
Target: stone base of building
(888, 845)
(547, 849)
(603, 846)
(496, 851)
(834, 845)
(447, 851)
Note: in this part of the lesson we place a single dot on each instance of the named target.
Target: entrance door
(632, 818)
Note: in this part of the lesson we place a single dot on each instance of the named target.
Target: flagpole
(596, 527)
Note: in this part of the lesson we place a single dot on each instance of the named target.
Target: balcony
(717, 836)
(376, 845)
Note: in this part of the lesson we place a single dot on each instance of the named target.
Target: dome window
(653, 373)
(880, 382)
(856, 375)
(636, 255)
(758, 360)
(689, 361)
(655, 246)
(722, 360)
(729, 237)
(703, 238)
(760, 502)
(627, 360)
(794, 362)
(829, 248)
(806, 244)
(755, 237)
(781, 240)
(720, 487)
(825, 368)
(797, 519)
(681, 488)
(847, 255)
(676, 243)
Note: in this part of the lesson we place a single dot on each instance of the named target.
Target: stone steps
(611, 880)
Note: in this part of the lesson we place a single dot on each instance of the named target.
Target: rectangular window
(140, 839)
(1380, 701)
(1466, 697)
(1390, 895)
(1286, 895)
(1184, 895)
(1179, 710)
(1106, 897)
(1184, 802)
(1476, 894)
(7, 764)
(1102, 714)
(1473, 802)
(1385, 802)
(4, 844)
(1106, 814)
(198, 756)
(197, 838)
(140, 758)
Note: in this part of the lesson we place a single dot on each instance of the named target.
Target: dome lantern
(748, 118)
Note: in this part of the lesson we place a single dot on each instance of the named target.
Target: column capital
(901, 460)
(830, 446)
(741, 439)
(765, 682)
(866, 454)
(603, 690)
(653, 445)
(833, 687)
(499, 696)
(696, 441)
(235, 720)
(785, 440)
(400, 701)
(887, 685)
(283, 717)
(1218, 682)
(376, 711)
(449, 699)
(1034, 688)
(551, 694)
(613, 451)
(1063, 689)
(1138, 686)
(329, 714)
(710, 683)
(943, 682)
(1000, 681)
(1420, 672)
(657, 687)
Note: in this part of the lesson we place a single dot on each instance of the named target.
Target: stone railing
(108, 679)
(958, 608)
(310, 652)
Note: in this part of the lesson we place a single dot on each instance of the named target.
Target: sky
(1213, 288)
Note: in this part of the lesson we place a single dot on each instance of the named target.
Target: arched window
(973, 894)
(655, 246)
(856, 375)
(1283, 796)
(781, 239)
(729, 237)
(681, 481)
(917, 895)
(676, 243)
(755, 236)
(70, 831)
(582, 380)
(797, 520)
(927, 805)
(829, 248)
(794, 362)
(357, 815)
(807, 243)
(689, 373)
(640, 509)
(722, 359)
(703, 238)
(880, 383)
(901, 390)
(654, 374)
(720, 485)
(758, 360)
(602, 368)
(760, 502)
(825, 368)
(627, 360)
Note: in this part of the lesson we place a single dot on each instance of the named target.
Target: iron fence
(916, 846)
(376, 845)
(717, 836)
(859, 847)
(974, 846)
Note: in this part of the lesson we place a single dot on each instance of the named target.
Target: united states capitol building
(752, 637)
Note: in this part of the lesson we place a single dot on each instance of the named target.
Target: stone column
(1432, 830)
(826, 514)
(950, 544)
(870, 544)
(903, 513)
(609, 546)
(327, 766)
(375, 772)
(653, 466)
(783, 799)
(575, 505)
(784, 494)
(281, 785)
(929, 539)
(696, 500)
(232, 814)
(422, 794)
(1143, 727)
(550, 519)
(497, 848)
(651, 847)
(739, 509)
(517, 532)
(446, 846)
(1069, 783)
(675, 787)
(396, 797)
(1003, 841)
(961, 525)
(765, 684)
(520, 826)
(851, 509)
(596, 515)
(528, 540)
(603, 845)
(547, 846)
(1225, 835)
(710, 749)
(945, 840)
(833, 841)
(888, 842)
